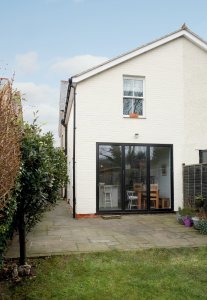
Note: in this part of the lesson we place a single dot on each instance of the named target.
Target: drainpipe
(74, 148)
(70, 85)
(66, 149)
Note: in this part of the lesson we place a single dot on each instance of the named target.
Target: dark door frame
(123, 210)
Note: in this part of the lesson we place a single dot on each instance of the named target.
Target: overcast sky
(45, 41)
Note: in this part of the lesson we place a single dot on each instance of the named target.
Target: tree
(43, 172)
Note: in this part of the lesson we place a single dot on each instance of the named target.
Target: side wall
(195, 84)
(100, 118)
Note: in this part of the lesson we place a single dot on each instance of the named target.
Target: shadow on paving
(59, 233)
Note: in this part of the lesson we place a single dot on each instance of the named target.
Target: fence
(194, 183)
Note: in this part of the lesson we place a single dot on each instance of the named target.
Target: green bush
(43, 172)
(186, 211)
(6, 225)
(202, 226)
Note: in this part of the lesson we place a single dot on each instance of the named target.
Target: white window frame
(143, 97)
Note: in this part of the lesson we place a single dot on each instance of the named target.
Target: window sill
(128, 117)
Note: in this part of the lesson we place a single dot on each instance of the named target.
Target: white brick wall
(195, 91)
(168, 73)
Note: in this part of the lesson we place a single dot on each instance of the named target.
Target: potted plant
(187, 221)
(196, 221)
(201, 223)
(179, 216)
(199, 205)
(185, 215)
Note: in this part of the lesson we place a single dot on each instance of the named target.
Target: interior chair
(154, 195)
(140, 188)
(107, 195)
(132, 199)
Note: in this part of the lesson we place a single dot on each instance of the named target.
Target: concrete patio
(59, 233)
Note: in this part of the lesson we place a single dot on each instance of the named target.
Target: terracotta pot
(133, 115)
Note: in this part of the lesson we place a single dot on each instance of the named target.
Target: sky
(45, 41)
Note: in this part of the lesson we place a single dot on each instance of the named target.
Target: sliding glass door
(160, 177)
(134, 177)
(110, 177)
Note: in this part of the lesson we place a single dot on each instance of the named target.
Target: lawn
(146, 274)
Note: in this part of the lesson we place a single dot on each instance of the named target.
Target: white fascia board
(195, 40)
(139, 51)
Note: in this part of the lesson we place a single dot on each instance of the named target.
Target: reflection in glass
(138, 88)
(160, 178)
(140, 180)
(127, 106)
(128, 87)
(131, 105)
(109, 177)
(138, 106)
(133, 96)
(135, 177)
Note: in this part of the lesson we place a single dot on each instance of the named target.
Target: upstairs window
(202, 156)
(133, 96)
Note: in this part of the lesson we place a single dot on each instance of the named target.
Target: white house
(129, 124)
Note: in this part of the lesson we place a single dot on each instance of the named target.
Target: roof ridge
(127, 52)
(184, 27)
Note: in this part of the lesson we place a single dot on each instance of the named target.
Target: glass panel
(138, 88)
(160, 178)
(135, 177)
(127, 106)
(109, 177)
(138, 106)
(128, 87)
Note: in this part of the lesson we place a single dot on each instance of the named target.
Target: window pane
(109, 185)
(135, 177)
(138, 106)
(138, 88)
(127, 106)
(160, 177)
(128, 87)
(203, 156)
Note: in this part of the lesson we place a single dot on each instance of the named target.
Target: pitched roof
(183, 31)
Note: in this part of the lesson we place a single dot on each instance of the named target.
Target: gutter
(63, 122)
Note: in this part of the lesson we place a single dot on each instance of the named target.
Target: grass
(147, 274)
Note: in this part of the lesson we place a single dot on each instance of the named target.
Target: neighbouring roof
(183, 31)
(63, 94)
(62, 102)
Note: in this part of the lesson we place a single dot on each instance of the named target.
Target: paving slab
(58, 233)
